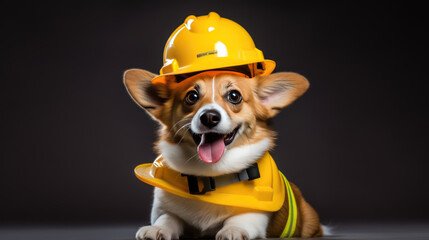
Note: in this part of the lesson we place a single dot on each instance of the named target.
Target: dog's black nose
(210, 118)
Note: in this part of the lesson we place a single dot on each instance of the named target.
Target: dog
(213, 124)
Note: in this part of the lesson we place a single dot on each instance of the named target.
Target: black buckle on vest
(253, 172)
(209, 184)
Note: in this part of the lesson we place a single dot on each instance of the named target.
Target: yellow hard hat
(211, 42)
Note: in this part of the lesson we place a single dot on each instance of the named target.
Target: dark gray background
(355, 143)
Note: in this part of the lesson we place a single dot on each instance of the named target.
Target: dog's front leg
(165, 227)
(244, 226)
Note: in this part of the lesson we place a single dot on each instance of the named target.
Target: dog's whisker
(185, 119)
(185, 125)
(187, 130)
(189, 159)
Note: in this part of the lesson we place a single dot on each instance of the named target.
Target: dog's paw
(155, 233)
(232, 233)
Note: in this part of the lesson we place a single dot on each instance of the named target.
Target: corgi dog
(214, 123)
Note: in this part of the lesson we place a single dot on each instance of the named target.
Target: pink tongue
(211, 152)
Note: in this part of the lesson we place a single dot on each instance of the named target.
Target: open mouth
(211, 145)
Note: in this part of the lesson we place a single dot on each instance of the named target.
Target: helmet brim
(268, 67)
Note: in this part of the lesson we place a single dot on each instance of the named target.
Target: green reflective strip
(290, 226)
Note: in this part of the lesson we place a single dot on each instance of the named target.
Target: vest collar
(266, 193)
(210, 183)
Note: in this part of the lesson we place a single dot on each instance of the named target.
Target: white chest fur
(201, 215)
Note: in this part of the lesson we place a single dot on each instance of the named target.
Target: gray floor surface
(126, 231)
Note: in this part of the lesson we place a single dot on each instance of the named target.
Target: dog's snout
(210, 118)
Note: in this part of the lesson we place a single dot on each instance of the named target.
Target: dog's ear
(150, 97)
(278, 90)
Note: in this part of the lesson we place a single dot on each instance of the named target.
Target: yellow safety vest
(266, 193)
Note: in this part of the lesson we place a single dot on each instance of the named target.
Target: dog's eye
(192, 97)
(234, 97)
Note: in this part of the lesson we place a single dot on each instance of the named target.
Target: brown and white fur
(180, 117)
